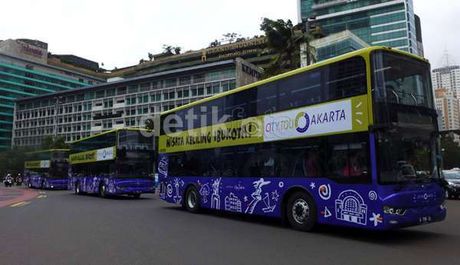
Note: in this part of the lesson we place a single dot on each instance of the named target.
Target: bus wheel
(192, 200)
(77, 188)
(301, 211)
(102, 191)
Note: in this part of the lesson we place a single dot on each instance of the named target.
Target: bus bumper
(132, 187)
(58, 184)
(416, 216)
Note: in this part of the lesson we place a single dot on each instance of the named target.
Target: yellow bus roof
(362, 52)
(47, 150)
(113, 130)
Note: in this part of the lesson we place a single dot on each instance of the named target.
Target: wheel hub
(191, 200)
(300, 211)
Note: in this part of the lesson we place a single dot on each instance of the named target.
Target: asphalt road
(61, 228)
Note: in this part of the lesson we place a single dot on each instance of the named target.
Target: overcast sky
(119, 33)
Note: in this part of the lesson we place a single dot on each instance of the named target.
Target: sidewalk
(12, 195)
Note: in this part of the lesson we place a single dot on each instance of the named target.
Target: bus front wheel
(301, 211)
(192, 200)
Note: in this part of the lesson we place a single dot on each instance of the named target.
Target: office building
(377, 22)
(252, 50)
(448, 109)
(87, 111)
(25, 72)
(447, 77)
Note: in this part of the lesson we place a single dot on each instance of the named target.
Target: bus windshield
(59, 165)
(135, 164)
(401, 80)
(135, 155)
(407, 141)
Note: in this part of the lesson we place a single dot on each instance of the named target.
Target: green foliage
(171, 50)
(450, 152)
(12, 161)
(285, 40)
(50, 142)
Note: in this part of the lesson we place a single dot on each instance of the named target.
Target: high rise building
(446, 84)
(26, 70)
(377, 22)
(449, 109)
(447, 77)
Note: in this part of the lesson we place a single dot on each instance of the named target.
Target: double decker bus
(47, 169)
(116, 162)
(350, 141)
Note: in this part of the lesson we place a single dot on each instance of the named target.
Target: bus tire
(136, 196)
(77, 188)
(102, 191)
(192, 200)
(301, 211)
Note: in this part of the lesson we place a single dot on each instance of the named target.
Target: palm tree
(285, 40)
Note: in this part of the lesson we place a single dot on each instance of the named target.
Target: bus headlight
(394, 211)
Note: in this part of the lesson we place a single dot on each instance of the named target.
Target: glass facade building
(21, 78)
(83, 112)
(377, 22)
(337, 43)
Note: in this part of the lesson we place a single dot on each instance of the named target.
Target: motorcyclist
(8, 181)
(18, 179)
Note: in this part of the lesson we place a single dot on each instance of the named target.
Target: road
(58, 227)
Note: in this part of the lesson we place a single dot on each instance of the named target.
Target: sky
(119, 33)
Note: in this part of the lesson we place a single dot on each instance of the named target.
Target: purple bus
(47, 169)
(116, 162)
(350, 141)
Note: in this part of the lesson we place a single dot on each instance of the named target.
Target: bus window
(346, 78)
(301, 90)
(349, 161)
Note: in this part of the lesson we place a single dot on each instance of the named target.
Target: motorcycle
(8, 182)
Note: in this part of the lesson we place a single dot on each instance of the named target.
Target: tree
(50, 142)
(450, 152)
(177, 50)
(215, 43)
(285, 40)
(151, 57)
(167, 49)
(171, 50)
(230, 37)
(12, 161)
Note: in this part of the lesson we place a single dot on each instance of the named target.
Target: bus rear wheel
(192, 200)
(77, 188)
(301, 211)
(102, 191)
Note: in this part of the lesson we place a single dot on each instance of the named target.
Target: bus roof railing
(364, 51)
